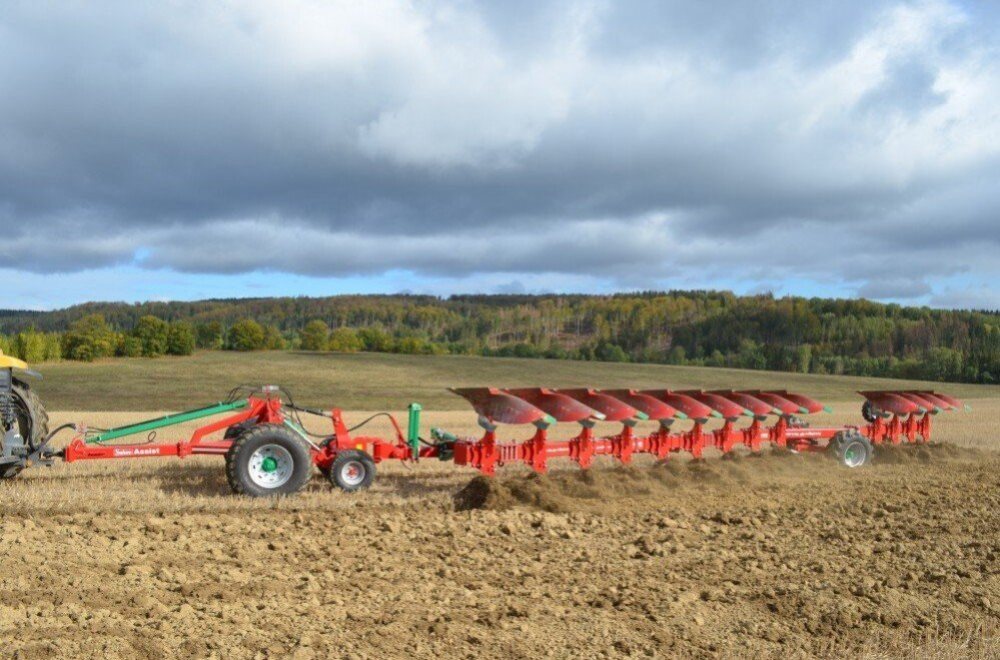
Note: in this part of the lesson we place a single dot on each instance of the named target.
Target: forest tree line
(685, 328)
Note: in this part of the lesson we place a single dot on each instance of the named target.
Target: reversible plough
(268, 450)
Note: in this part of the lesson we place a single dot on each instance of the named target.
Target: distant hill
(708, 328)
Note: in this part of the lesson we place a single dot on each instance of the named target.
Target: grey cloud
(981, 297)
(633, 141)
(900, 288)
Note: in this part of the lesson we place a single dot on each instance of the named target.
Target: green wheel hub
(269, 464)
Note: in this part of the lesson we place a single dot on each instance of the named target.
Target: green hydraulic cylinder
(168, 420)
(413, 430)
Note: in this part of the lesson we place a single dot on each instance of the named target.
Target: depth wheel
(870, 412)
(852, 449)
(268, 460)
(352, 470)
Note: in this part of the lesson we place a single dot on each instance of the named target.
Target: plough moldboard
(893, 417)
(268, 450)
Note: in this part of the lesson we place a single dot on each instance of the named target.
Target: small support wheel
(871, 412)
(352, 470)
(852, 449)
(267, 460)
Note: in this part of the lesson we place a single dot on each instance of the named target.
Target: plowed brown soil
(778, 555)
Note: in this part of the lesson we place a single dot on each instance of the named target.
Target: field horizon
(370, 381)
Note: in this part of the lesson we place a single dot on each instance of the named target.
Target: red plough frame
(893, 417)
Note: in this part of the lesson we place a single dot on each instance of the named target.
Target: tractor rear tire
(268, 460)
(32, 421)
(851, 449)
(352, 470)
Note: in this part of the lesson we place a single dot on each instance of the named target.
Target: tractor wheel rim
(353, 473)
(854, 455)
(271, 466)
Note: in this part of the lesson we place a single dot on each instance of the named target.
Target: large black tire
(31, 413)
(851, 449)
(352, 470)
(268, 460)
(32, 422)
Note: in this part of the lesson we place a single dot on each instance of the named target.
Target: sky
(185, 150)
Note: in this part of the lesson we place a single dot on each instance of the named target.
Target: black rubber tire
(28, 401)
(851, 449)
(33, 421)
(238, 460)
(352, 459)
(236, 430)
(11, 471)
(870, 412)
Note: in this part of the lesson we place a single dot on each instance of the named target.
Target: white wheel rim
(854, 455)
(271, 466)
(353, 473)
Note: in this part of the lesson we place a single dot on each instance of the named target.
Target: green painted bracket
(168, 420)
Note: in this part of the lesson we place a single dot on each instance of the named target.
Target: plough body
(897, 417)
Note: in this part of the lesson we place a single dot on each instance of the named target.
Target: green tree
(129, 346)
(803, 358)
(152, 333)
(90, 338)
(609, 352)
(751, 356)
(273, 339)
(29, 346)
(209, 335)
(344, 340)
(315, 336)
(245, 335)
(942, 364)
(180, 338)
(375, 340)
(53, 347)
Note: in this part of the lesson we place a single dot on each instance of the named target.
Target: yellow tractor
(24, 424)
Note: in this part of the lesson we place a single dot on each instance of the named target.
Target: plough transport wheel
(852, 449)
(352, 470)
(268, 459)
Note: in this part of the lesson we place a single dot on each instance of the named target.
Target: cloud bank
(634, 144)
